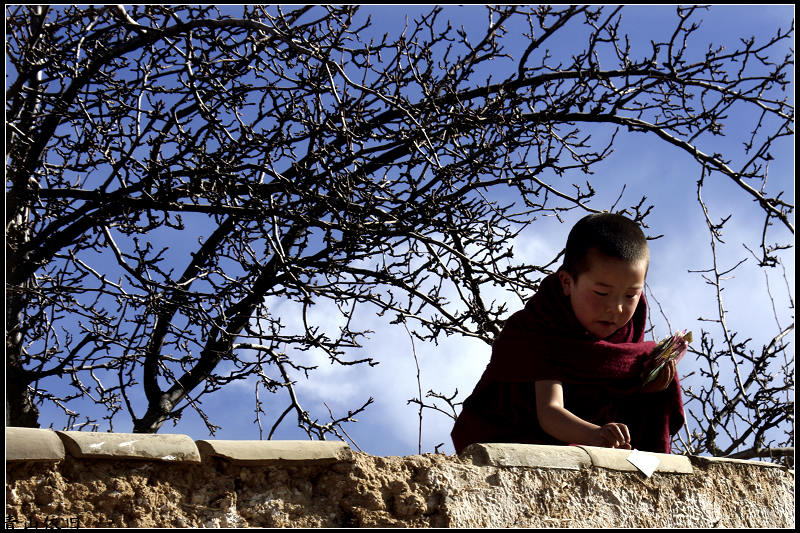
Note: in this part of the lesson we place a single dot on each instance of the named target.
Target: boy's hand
(664, 378)
(660, 366)
(614, 435)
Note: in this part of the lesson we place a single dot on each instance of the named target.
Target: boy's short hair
(610, 234)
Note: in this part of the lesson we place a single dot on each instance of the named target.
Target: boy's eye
(601, 293)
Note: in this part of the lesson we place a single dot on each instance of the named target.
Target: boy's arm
(563, 425)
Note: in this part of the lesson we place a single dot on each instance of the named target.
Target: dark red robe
(601, 378)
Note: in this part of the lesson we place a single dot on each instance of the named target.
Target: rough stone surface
(33, 444)
(261, 452)
(157, 447)
(415, 491)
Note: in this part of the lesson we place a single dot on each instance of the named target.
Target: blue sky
(666, 175)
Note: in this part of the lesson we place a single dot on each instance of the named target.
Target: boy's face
(605, 297)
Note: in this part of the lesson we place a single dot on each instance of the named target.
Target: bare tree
(313, 160)
(735, 419)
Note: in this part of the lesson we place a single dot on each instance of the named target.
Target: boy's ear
(566, 281)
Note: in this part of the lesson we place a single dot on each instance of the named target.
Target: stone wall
(86, 479)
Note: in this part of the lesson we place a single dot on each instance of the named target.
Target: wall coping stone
(265, 452)
(45, 445)
(155, 447)
(568, 457)
(527, 455)
(706, 460)
(33, 444)
(617, 459)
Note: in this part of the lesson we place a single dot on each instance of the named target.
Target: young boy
(567, 368)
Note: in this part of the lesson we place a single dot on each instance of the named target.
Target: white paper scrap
(645, 462)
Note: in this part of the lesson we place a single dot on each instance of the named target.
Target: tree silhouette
(310, 159)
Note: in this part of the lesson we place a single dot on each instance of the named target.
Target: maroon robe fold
(601, 378)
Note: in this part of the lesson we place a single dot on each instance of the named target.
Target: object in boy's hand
(670, 349)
